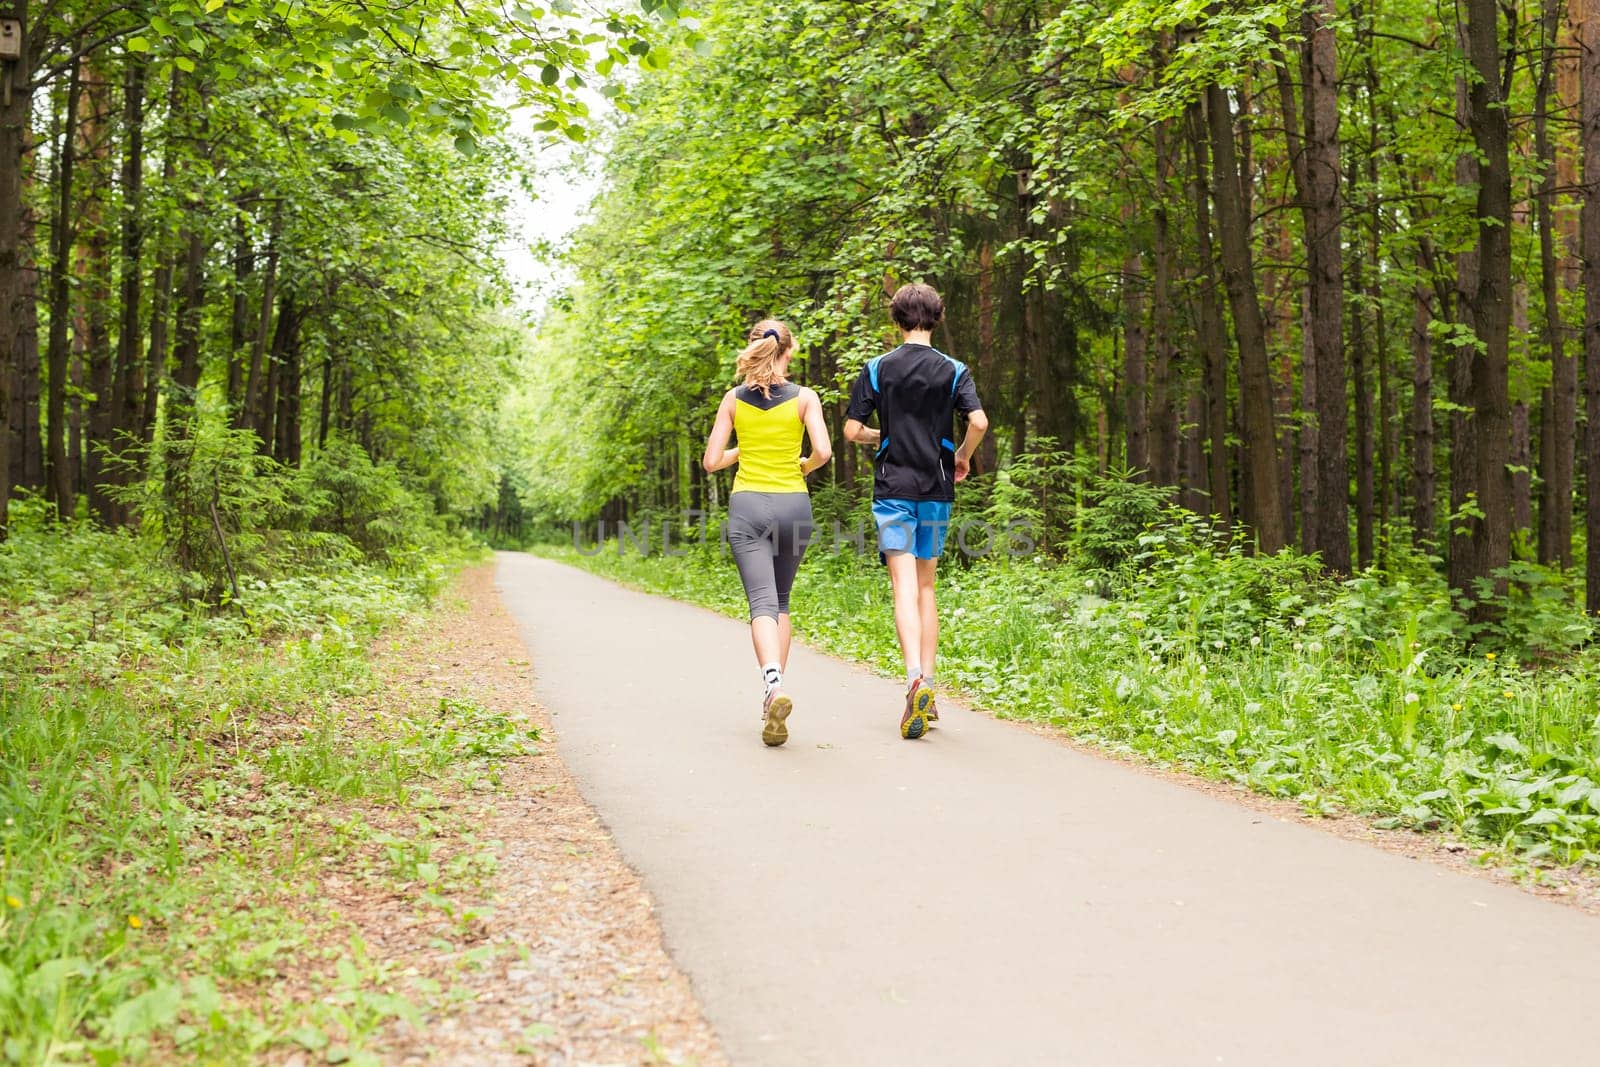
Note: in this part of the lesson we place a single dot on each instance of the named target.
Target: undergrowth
(176, 778)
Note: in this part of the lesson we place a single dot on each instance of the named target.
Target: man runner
(915, 391)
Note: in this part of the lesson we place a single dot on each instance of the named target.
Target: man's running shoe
(774, 729)
(914, 723)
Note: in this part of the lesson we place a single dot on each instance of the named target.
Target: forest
(1286, 316)
(1318, 268)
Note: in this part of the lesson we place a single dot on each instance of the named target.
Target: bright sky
(541, 224)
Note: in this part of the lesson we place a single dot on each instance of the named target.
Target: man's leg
(907, 609)
(928, 614)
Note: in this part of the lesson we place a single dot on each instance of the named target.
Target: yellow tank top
(769, 431)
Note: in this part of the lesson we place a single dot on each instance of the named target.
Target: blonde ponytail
(768, 340)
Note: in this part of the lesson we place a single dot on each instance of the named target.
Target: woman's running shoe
(774, 729)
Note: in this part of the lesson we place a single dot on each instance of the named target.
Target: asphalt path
(987, 896)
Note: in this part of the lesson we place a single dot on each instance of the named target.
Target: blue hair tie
(772, 334)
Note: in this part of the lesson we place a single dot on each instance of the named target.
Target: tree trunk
(1589, 92)
(258, 400)
(1325, 283)
(1463, 446)
(1133, 364)
(127, 387)
(1559, 403)
(267, 406)
(286, 351)
(160, 329)
(95, 271)
(186, 347)
(60, 308)
(240, 330)
(1163, 413)
(1260, 479)
(1490, 544)
(1521, 453)
(15, 293)
(1192, 474)
(25, 440)
(1212, 339)
(167, 266)
(1388, 497)
(1520, 449)
(1423, 484)
(27, 446)
(1361, 379)
(325, 405)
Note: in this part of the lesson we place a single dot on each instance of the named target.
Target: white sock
(772, 675)
(913, 675)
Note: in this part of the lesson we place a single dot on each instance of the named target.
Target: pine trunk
(58, 353)
(1260, 477)
(1490, 529)
(1589, 92)
(1325, 284)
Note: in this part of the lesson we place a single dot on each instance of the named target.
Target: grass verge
(179, 788)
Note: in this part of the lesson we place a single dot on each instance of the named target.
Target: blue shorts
(915, 526)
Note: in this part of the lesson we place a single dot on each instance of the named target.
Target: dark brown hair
(916, 307)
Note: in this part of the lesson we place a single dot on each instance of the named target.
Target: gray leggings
(768, 533)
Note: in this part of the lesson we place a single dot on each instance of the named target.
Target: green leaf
(550, 74)
(138, 44)
(148, 1011)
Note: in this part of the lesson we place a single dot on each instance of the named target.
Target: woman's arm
(817, 431)
(718, 455)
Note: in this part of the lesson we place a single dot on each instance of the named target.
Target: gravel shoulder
(566, 963)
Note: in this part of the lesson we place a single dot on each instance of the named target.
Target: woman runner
(769, 509)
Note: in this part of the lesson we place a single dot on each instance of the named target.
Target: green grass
(175, 780)
(1362, 696)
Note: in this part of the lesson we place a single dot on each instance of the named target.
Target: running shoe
(774, 729)
(914, 723)
(933, 703)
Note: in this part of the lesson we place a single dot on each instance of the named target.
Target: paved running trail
(985, 896)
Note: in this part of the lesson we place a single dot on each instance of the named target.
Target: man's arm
(977, 426)
(860, 433)
(863, 402)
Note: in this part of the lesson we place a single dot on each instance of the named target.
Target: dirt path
(987, 896)
(575, 971)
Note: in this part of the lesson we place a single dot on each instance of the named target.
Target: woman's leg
(770, 638)
(793, 514)
(751, 539)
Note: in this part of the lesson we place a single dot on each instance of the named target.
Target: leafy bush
(344, 492)
(209, 502)
(1118, 510)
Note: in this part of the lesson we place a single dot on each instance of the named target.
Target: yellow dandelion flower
(13, 901)
(1455, 707)
(1508, 694)
(1489, 656)
(135, 922)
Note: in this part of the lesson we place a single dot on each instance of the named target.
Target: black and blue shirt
(916, 392)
